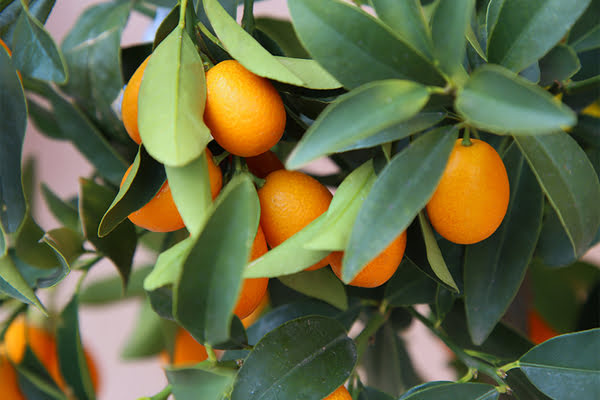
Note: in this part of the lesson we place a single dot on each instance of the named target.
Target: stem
(467, 137)
(372, 327)
(211, 353)
(218, 159)
(162, 395)
(182, 11)
(507, 367)
(471, 374)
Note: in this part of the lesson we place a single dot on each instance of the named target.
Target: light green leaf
(312, 74)
(13, 284)
(434, 254)
(203, 381)
(321, 284)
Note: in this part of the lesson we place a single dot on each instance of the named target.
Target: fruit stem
(182, 11)
(467, 137)
(162, 395)
(376, 322)
(211, 353)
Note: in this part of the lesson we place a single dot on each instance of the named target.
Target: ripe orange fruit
(5, 47)
(340, 393)
(187, 350)
(244, 112)
(290, 200)
(160, 214)
(9, 385)
(129, 104)
(253, 289)
(472, 197)
(539, 330)
(258, 311)
(263, 164)
(379, 270)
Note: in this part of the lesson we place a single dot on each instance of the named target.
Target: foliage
(383, 88)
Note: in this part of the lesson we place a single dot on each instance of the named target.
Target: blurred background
(106, 329)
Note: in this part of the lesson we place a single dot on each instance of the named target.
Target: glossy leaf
(452, 391)
(566, 366)
(13, 284)
(291, 361)
(321, 284)
(357, 115)
(554, 247)
(355, 47)
(72, 361)
(495, 267)
(311, 73)
(171, 102)
(559, 64)
(407, 20)
(190, 187)
(205, 292)
(109, 290)
(204, 381)
(569, 182)
(375, 226)
(120, 245)
(434, 254)
(36, 55)
(340, 216)
(13, 120)
(410, 286)
(449, 26)
(524, 32)
(144, 180)
(496, 100)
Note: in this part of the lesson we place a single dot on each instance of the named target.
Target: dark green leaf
(204, 381)
(72, 361)
(110, 290)
(29, 248)
(36, 55)
(410, 286)
(531, 73)
(13, 284)
(369, 393)
(13, 120)
(207, 289)
(449, 26)
(375, 226)
(306, 358)
(522, 388)
(144, 180)
(566, 366)
(495, 267)
(585, 33)
(357, 115)
(44, 119)
(355, 47)
(497, 100)
(120, 245)
(407, 20)
(524, 32)
(559, 64)
(63, 211)
(147, 338)
(569, 181)
(321, 284)
(35, 380)
(554, 247)
(171, 102)
(453, 391)
(166, 26)
(282, 31)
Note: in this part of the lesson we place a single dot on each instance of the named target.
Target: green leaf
(452, 391)
(340, 216)
(418, 123)
(495, 267)
(72, 361)
(569, 181)
(190, 187)
(591, 41)
(312, 74)
(497, 100)
(449, 26)
(566, 366)
(357, 115)
(29, 248)
(13, 120)
(369, 393)
(585, 34)
(13, 284)
(282, 32)
(144, 180)
(171, 102)
(376, 227)
(434, 254)
(146, 339)
(355, 47)
(35, 381)
(559, 64)
(109, 290)
(407, 20)
(291, 256)
(63, 211)
(554, 247)
(120, 245)
(168, 265)
(206, 291)
(67, 245)
(204, 381)
(524, 32)
(321, 284)
(36, 55)
(168, 24)
(319, 357)
(409, 286)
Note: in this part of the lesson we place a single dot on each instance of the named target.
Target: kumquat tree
(466, 140)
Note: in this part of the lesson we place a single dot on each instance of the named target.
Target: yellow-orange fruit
(258, 311)
(471, 199)
(379, 270)
(244, 112)
(187, 350)
(539, 330)
(340, 393)
(9, 384)
(129, 104)
(263, 164)
(253, 289)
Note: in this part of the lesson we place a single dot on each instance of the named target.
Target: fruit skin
(129, 104)
(187, 350)
(244, 112)
(9, 385)
(258, 311)
(379, 270)
(160, 214)
(340, 393)
(5, 47)
(263, 164)
(253, 289)
(539, 330)
(290, 200)
(471, 199)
